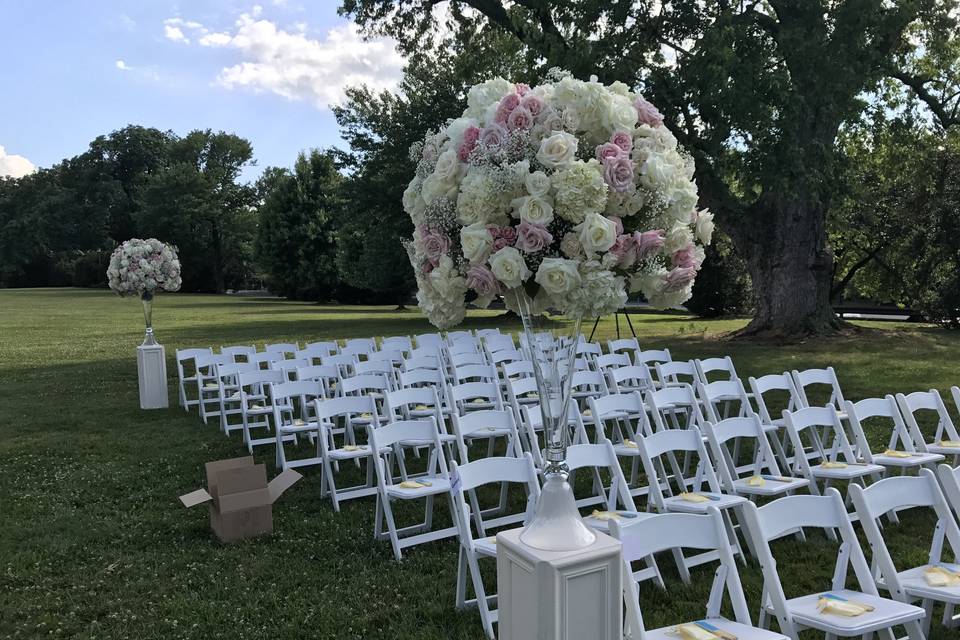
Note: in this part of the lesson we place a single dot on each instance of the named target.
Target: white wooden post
(559, 595)
(152, 374)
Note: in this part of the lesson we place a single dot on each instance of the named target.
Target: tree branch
(838, 287)
(918, 85)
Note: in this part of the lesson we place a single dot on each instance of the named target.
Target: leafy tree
(756, 91)
(196, 203)
(296, 237)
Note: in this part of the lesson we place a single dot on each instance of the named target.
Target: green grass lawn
(95, 544)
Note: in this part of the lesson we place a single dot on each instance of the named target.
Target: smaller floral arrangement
(143, 268)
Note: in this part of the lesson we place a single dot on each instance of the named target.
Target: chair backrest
(521, 368)
(360, 345)
(267, 358)
(504, 356)
(420, 377)
(479, 423)
(469, 476)
(499, 342)
(362, 384)
(421, 362)
(629, 378)
(590, 382)
(346, 406)
(207, 364)
(345, 362)
(664, 404)
(311, 354)
(384, 367)
(462, 395)
(709, 365)
(294, 398)
(665, 531)
(259, 378)
(289, 365)
(950, 483)
(819, 421)
(821, 377)
(712, 393)
(424, 352)
(463, 348)
(390, 356)
(652, 357)
(602, 456)
(460, 336)
(927, 401)
(676, 372)
(239, 353)
(614, 407)
(612, 361)
(782, 382)
(902, 492)
(419, 431)
(328, 346)
(230, 371)
(432, 340)
(402, 404)
(589, 349)
(396, 343)
(625, 346)
(669, 443)
(184, 355)
(787, 515)
(327, 375)
(739, 430)
(467, 359)
(358, 349)
(885, 408)
(475, 373)
(286, 348)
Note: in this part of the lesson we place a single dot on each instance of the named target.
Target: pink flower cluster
(470, 137)
(636, 246)
(648, 114)
(435, 244)
(502, 236)
(617, 165)
(533, 237)
(481, 279)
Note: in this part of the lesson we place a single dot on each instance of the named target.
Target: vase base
(557, 525)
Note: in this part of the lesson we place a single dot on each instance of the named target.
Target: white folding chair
(256, 405)
(726, 393)
(381, 367)
(946, 440)
(671, 403)
(624, 346)
(676, 373)
(499, 342)
(706, 535)
(587, 384)
(673, 490)
(239, 353)
(829, 442)
(649, 359)
(265, 359)
(229, 394)
(760, 476)
(612, 361)
(393, 357)
(372, 385)
(901, 452)
(531, 426)
(820, 378)
(313, 355)
(187, 373)
(330, 347)
(431, 340)
(327, 375)
(474, 396)
(289, 367)
(360, 345)
(519, 369)
(487, 425)
(422, 362)
(360, 410)
(208, 384)
(782, 517)
(626, 416)
(292, 417)
(461, 336)
(387, 441)
(912, 585)
(778, 385)
(466, 479)
(629, 378)
(396, 343)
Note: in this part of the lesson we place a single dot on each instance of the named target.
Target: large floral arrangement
(574, 191)
(139, 267)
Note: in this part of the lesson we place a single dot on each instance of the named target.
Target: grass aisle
(95, 544)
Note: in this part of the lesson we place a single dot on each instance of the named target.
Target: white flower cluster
(143, 266)
(572, 190)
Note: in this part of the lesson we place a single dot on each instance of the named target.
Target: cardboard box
(240, 498)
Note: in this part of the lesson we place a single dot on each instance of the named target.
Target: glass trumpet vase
(551, 344)
(147, 299)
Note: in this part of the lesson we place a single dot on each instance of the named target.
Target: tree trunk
(790, 263)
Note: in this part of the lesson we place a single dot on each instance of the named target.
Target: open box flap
(194, 498)
(281, 483)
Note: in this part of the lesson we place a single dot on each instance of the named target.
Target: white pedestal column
(152, 373)
(554, 595)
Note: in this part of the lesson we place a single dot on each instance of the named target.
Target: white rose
(476, 242)
(557, 150)
(558, 276)
(449, 169)
(457, 128)
(538, 184)
(571, 119)
(596, 233)
(509, 267)
(570, 246)
(620, 114)
(705, 227)
(413, 204)
(657, 172)
(434, 187)
(678, 237)
(534, 210)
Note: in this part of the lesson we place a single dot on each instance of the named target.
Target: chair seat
(626, 451)
(678, 504)
(942, 450)
(444, 438)
(846, 473)
(770, 487)
(740, 631)
(437, 485)
(626, 519)
(486, 547)
(916, 586)
(478, 406)
(489, 432)
(915, 459)
(885, 614)
(362, 452)
(299, 428)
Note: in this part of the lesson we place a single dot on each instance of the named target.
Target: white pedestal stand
(152, 373)
(554, 595)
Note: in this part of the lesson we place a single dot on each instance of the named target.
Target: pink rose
(532, 103)
(618, 222)
(679, 278)
(622, 139)
(427, 268)
(648, 114)
(481, 279)
(435, 244)
(523, 89)
(625, 249)
(608, 150)
(533, 237)
(502, 236)
(648, 243)
(509, 233)
(506, 107)
(520, 118)
(493, 135)
(471, 135)
(618, 173)
(687, 258)
(464, 151)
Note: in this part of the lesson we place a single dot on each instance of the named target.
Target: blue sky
(269, 71)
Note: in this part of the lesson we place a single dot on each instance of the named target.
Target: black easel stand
(616, 319)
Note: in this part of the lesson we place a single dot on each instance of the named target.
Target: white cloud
(14, 166)
(171, 32)
(123, 66)
(293, 65)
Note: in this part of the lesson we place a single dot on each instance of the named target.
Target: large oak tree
(757, 92)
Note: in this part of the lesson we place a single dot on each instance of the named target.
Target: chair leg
(462, 569)
(914, 632)
(481, 595)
